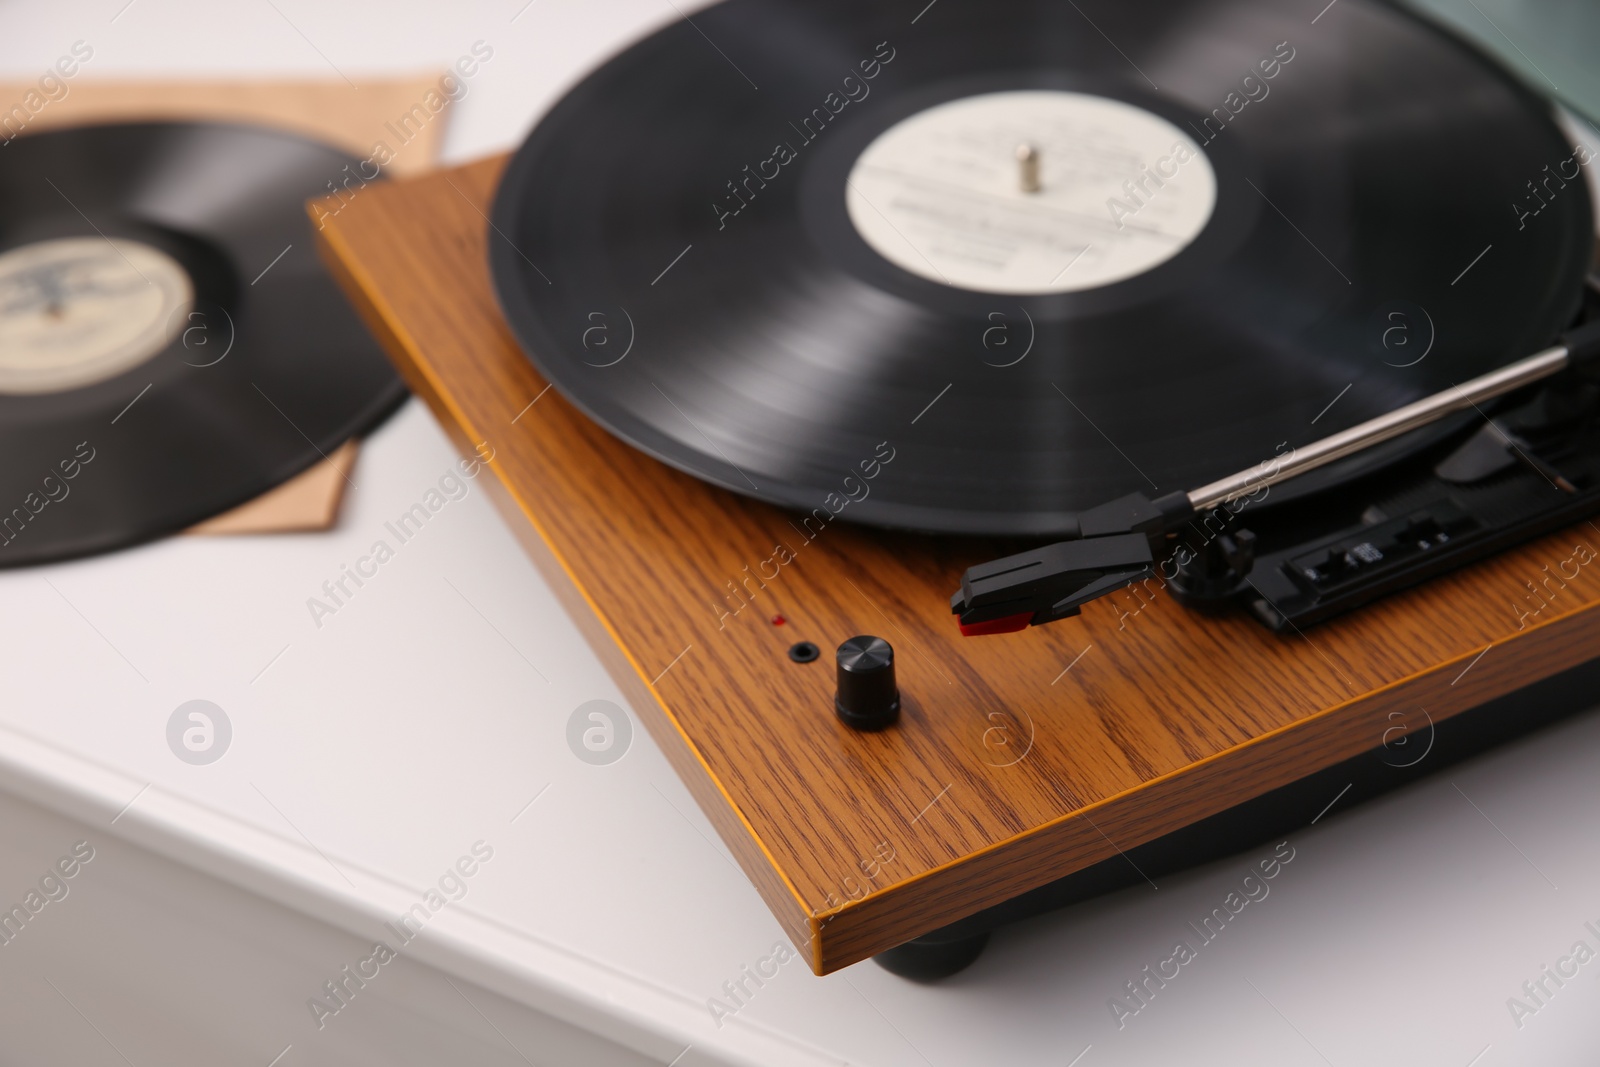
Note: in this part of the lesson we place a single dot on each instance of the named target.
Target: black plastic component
(1050, 583)
(804, 652)
(928, 959)
(1483, 455)
(1136, 513)
(868, 698)
(1219, 571)
(1583, 347)
(1392, 549)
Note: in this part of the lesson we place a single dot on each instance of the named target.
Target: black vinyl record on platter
(170, 344)
(978, 270)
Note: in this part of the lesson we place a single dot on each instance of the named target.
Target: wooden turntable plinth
(1017, 759)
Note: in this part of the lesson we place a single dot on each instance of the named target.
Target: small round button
(867, 698)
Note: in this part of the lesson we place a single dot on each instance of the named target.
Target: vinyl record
(792, 247)
(170, 344)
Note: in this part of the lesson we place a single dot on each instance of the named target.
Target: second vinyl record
(1038, 269)
(170, 345)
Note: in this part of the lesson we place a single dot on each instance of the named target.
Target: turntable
(787, 318)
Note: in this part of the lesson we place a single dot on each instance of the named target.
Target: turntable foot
(928, 959)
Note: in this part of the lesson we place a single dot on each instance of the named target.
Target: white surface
(423, 716)
(169, 966)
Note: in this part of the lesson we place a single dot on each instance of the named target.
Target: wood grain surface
(1018, 759)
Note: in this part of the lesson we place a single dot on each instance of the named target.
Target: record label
(80, 310)
(1114, 191)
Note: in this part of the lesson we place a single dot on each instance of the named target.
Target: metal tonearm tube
(1388, 425)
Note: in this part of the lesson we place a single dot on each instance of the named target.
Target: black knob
(868, 698)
